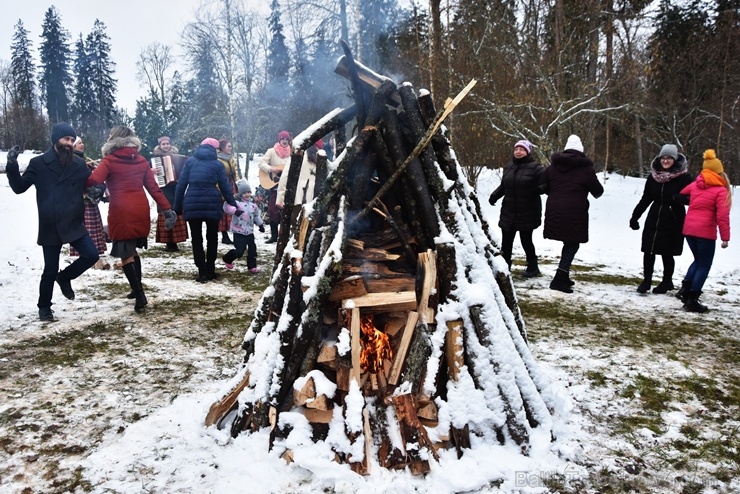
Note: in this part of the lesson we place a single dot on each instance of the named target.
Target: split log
(427, 272)
(372, 254)
(226, 404)
(350, 287)
(403, 348)
(355, 345)
(376, 282)
(383, 301)
(454, 345)
(328, 356)
(413, 433)
(389, 456)
(386, 238)
(317, 416)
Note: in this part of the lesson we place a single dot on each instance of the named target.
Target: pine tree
(278, 58)
(22, 68)
(82, 108)
(376, 18)
(100, 72)
(55, 77)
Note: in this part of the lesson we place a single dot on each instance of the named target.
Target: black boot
(133, 279)
(561, 282)
(273, 233)
(171, 247)
(225, 239)
(648, 265)
(681, 293)
(645, 286)
(532, 269)
(66, 286)
(137, 263)
(664, 286)
(692, 303)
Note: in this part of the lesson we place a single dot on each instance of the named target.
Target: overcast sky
(130, 24)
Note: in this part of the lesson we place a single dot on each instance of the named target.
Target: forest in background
(625, 75)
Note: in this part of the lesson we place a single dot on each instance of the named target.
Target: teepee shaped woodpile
(390, 327)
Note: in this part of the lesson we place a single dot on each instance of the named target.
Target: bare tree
(153, 69)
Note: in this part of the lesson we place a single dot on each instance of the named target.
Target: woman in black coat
(568, 181)
(198, 197)
(522, 208)
(664, 223)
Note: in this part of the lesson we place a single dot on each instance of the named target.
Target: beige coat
(270, 159)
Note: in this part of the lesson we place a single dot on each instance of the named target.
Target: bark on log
(506, 285)
(440, 143)
(416, 130)
(291, 186)
(361, 95)
(369, 79)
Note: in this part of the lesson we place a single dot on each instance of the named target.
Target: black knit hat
(62, 129)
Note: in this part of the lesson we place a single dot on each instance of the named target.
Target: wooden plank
(352, 286)
(385, 301)
(453, 348)
(355, 345)
(427, 262)
(403, 348)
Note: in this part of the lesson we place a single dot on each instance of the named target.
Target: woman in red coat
(709, 210)
(126, 174)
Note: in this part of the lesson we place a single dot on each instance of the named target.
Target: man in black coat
(59, 177)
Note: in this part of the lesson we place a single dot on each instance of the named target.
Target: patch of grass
(597, 378)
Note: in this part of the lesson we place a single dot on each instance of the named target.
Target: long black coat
(568, 181)
(201, 186)
(661, 234)
(522, 207)
(59, 196)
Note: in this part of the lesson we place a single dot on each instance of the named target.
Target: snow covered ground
(127, 414)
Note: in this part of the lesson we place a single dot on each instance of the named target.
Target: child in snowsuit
(244, 216)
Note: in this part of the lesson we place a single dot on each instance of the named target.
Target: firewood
(367, 77)
(412, 432)
(287, 456)
(307, 392)
(363, 467)
(428, 414)
(355, 344)
(383, 301)
(378, 283)
(328, 356)
(454, 348)
(227, 403)
(354, 243)
(394, 324)
(400, 357)
(373, 254)
(350, 287)
(428, 271)
(321, 402)
(318, 416)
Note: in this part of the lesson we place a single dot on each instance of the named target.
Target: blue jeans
(703, 250)
(88, 256)
(243, 243)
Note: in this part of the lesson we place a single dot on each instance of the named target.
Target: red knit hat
(284, 134)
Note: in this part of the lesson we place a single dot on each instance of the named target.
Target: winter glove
(170, 218)
(634, 224)
(238, 213)
(12, 157)
(262, 228)
(95, 192)
(491, 200)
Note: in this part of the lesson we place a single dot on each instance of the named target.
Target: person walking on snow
(59, 177)
(243, 218)
(521, 210)
(568, 181)
(710, 200)
(661, 234)
(127, 174)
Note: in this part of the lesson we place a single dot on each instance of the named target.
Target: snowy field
(122, 410)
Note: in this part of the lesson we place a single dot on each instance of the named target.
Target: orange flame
(375, 345)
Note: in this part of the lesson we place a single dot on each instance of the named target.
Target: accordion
(164, 170)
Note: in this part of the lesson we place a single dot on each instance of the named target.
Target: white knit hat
(574, 142)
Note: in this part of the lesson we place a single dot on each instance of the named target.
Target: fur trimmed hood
(157, 151)
(121, 142)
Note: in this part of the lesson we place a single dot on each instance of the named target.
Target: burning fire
(375, 345)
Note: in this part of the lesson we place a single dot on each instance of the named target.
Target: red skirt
(178, 234)
(94, 226)
(225, 224)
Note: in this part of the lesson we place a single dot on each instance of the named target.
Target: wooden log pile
(390, 329)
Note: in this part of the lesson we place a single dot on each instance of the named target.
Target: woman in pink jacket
(709, 210)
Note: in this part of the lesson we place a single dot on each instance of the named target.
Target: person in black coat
(59, 177)
(521, 210)
(201, 186)
(568, 181)
(662, 234)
